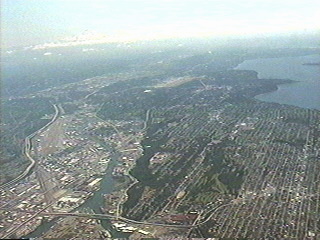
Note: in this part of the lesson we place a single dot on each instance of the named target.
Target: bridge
(209, 214)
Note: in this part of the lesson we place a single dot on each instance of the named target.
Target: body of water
(94, 203)
(305, 93)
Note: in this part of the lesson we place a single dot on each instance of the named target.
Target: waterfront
(304, 93)
(193, 148)
(94, 203)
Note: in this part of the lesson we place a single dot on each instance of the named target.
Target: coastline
(303, 93)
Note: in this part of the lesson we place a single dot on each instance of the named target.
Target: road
(12, 231)
(27, 150)
(145, 124)
(108, 216)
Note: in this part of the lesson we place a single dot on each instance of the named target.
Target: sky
(27, 22)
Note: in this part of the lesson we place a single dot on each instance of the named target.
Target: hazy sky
(27, 22)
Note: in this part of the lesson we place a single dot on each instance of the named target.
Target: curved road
(27, 149)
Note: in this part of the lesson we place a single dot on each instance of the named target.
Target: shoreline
(299, 88)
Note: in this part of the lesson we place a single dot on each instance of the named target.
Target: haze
(35, 21)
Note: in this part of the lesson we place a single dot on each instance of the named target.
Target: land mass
(190, 150)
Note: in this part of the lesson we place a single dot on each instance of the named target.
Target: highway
(12, 231)
(27, 150)
(127, 220)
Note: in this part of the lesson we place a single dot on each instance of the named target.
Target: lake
(305, 93)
